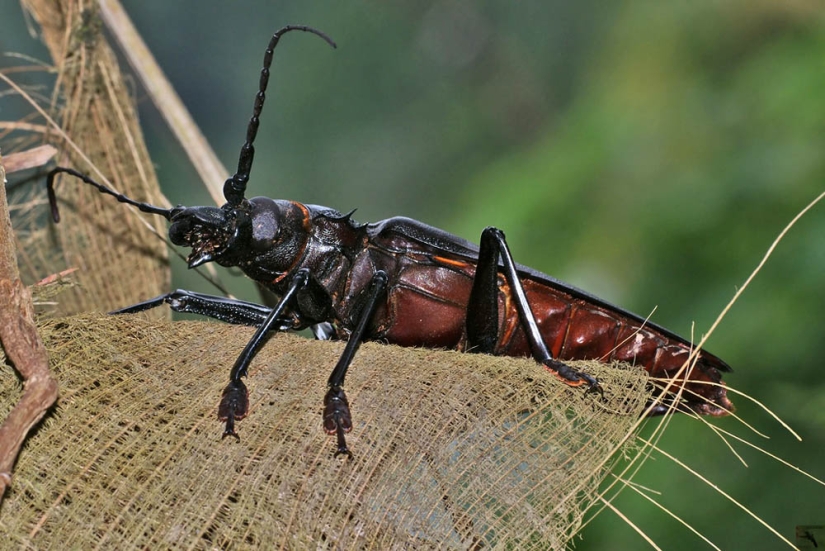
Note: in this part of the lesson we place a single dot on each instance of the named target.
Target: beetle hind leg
(482, 311)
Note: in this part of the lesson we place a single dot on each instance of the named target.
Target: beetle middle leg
(482, 310)
(337, 417)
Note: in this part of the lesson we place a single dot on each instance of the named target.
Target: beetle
(403, 282)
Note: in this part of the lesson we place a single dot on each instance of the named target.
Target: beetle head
(258, 233)
(223, 235)
(207, 230)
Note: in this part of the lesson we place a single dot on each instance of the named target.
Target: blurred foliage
(648, 152)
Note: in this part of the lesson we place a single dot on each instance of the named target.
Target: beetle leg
(237, 312)
(337, 417)
(234, 311)
(235, 399)
(482, 310)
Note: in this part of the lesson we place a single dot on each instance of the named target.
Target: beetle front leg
(482, 310)
(337, 417)
(234, 311)
(235, 399)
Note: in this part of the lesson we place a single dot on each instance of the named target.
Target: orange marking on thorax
(307, 222)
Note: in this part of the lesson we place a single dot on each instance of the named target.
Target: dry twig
(32, 158)
(23, 348)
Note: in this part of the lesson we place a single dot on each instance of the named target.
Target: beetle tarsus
(234, 406)
(230, 430)
(337, 418)
(342, 444)
(572, 377)
(594, 387)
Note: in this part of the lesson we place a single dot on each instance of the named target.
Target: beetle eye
(265, 228)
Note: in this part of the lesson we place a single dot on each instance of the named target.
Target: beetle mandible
(403, 282)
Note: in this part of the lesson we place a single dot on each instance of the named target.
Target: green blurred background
(648, 152)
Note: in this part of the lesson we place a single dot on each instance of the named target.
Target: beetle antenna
(235, 187)
(143, 207)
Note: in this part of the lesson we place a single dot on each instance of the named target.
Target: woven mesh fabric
(451, 451)
(118, 259)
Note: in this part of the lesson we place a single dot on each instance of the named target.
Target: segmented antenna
(143, 207)
(235, 187)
